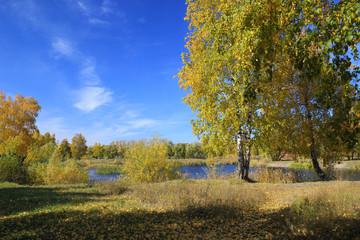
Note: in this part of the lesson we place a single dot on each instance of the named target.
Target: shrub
(146, 162)
(37, 173)
(11, 169)
(65, 173)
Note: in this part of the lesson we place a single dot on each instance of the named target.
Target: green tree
(195, 150)
(170, 150)
(110, 151)
(180, 151)
(78, 146)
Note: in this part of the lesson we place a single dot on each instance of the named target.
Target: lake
(200, 172)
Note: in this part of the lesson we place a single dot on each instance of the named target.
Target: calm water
(200, 172)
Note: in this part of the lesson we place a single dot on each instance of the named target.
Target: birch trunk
(240, 153)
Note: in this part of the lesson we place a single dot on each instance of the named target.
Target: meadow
(181, 209)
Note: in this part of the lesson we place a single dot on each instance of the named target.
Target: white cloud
(63, 47)
(97, 21)
(83, 7)
(90, 98)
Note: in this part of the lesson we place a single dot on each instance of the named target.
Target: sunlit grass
(180, 209)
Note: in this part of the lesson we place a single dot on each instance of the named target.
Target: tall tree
(231, 52)
(64, 149)
(78, 146)
(17, 123)
(321, 100)
(98, 150)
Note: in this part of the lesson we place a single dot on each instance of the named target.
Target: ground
(145, 211)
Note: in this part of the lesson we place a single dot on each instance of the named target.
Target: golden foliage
(147, 162)
(17, 123)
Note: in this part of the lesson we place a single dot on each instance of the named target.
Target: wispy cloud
(106, 7)
(97, 21)
(88, 75)
(141, 123)
(98, 14)
(84, 8)
(89, 98)
(91, 94)
(62, 47)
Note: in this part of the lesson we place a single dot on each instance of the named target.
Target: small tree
(78, 146)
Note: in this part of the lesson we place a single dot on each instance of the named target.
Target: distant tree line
(118, 149)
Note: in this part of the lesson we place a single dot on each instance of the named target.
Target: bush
(37, 173)
(146, 162)
(11, 169)
(65, 173)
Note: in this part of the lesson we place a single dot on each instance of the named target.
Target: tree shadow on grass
(20, 199)
(104, 223)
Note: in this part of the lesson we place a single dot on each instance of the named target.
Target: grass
(301, 165)
(108, 170)
(181, 209)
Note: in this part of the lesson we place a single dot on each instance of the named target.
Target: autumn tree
(320, 103)
(17, 123)
(98, 150)
(78, 146)
(64, 149)
(110, 151)
(227, 70)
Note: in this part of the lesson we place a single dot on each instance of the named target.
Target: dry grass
(197, 198)
(331, 211)
(268, 175)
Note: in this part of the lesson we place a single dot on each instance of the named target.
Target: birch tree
(228, 69)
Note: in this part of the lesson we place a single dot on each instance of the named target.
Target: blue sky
(103, 68)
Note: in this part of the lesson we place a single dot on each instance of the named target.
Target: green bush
(146, 162)
(11, 169)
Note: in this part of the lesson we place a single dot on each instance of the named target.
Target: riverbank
(210, 209)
